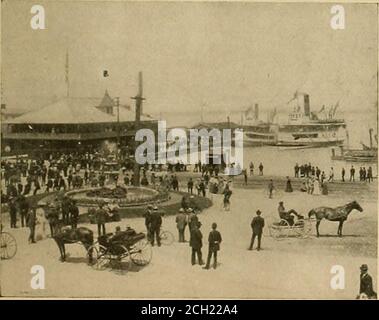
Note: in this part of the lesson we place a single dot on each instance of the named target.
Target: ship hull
(356, 155)
(259, 135)
(313, 134)
(309, 143)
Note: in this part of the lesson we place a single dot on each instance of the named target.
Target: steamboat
(257, 132)
(310, 129)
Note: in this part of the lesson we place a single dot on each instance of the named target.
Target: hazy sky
(223, 55)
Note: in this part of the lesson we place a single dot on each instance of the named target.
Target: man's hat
(189, 210)
(280, 202)
(259, 212)
(364, 267)
(155, 208)
(150, 206)
(181, 210)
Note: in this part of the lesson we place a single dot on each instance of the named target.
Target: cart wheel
(274, 232)
(285, 228)
(120, 257)
(8, 246)
(141, 253)
(167, 238)
(307, 227)
(279, 232)
(100, 257)
(299, 228)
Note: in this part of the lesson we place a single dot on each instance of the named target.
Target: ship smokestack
(307, 107)
(256, 112)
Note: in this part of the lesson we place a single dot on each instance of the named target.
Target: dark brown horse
(339, 214)
(67, 235)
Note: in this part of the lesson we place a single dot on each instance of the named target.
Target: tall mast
(139, 98)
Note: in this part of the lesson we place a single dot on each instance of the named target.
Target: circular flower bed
(115, 193)
(123, 196)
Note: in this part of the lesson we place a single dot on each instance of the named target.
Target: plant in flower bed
(130, 196)
(116, 193)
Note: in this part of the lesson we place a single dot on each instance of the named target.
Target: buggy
(122, 247)
(301, 228)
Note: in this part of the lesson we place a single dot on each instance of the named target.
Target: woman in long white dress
(316, 187)
(42, 225)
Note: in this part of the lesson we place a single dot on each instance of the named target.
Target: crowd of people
(64, 172)
(309, 171)
(63, 211)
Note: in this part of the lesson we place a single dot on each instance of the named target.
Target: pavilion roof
(74, 111)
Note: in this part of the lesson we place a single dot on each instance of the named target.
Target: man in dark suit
(214, 240)
(155, 226)
(196, 244)
(257, 225)
(190, 186)
(23, 206)
(31, 221)
(13, 212)
(366, 287)
(101, 219)
(352, 173)
(65, 207)
(147, 217)
(52, 215)
(74, 214)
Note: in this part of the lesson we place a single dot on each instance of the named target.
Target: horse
(339, 214)
(67, 235)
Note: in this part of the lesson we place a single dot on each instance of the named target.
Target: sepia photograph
(189, 150)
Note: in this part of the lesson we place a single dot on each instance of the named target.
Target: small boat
(366, 154)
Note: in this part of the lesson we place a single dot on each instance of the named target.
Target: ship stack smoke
(307, 107)
(256, 112)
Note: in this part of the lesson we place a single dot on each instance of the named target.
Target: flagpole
(67, 66)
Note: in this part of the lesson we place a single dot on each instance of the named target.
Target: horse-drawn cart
(122, 247)
(282, 229)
